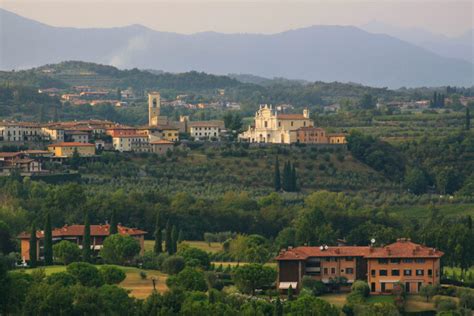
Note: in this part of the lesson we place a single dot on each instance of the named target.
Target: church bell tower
(153, 108)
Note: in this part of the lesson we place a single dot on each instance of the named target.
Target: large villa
(405, 262)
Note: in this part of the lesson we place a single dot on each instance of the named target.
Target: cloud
(134, 45)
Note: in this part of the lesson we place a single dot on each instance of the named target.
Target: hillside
(324, 53)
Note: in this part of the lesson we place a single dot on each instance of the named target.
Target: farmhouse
(75, 234)
(406, 262)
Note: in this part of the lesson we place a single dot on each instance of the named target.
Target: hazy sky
(450, 17)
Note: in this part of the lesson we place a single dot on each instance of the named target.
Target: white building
(20, 131)
(210, 130)
(127, 143)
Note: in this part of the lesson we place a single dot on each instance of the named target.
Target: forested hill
(278, 90)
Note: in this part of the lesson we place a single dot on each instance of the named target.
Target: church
(273, 127)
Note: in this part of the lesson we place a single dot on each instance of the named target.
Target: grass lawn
(138, 287)
(212, 247)
(380, 299)
(225, 264)
(337, 299)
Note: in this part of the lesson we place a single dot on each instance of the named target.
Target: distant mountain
(461, 47)
(325, 53)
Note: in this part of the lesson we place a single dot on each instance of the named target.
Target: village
(59, 141)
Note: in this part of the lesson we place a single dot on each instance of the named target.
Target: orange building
(317, 135)
(75, 234)
(411, 264)
(403, 261)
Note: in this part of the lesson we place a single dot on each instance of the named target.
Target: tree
(468, 118)
(428, 291)
(195, 257)
(86, 273)
(67, 252)
(169, 241)
(158, 248)
(174, 238)
(173, 265)
(48, 241)
(112, 274)
(277, 178)
(361, 287)
(278, 307)
(6, 243)
(290, 293)
(113, 222)
(33, 246)
(180, 236)
(119, 249)
(86, 242)
(294, 187)
(189, 279)
(253, 276)
(416, 181)
(75, 160)
(367, 102)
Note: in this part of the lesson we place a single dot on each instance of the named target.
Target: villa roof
(9, 154)
(71, 144)
(304, 252)
(78, 230)
(404, 248)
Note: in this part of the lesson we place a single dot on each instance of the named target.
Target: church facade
(273, 127)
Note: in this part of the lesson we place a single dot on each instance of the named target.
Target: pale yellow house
(67, 149)
(273, 127)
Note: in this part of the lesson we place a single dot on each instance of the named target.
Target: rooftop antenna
(326, 247)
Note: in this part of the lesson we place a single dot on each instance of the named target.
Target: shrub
(316, 287)
(112, 275)
(150, 260)
(195, 257)
(361, 287)
(86, 273)
(445, 304)
(119, 249)
(190, 279)
(66, 252)
(63, 278)
(143, 275)
(173, 265)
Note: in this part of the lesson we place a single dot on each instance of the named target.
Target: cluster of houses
(402, 262)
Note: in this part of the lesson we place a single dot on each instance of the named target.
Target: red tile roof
(9, 154)
(302, 253)
(404, 248)
(78, 230)
(71, 144)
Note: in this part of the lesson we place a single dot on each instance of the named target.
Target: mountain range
(317, 53)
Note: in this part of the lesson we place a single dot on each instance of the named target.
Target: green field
(212, 247)
(380, 299)
(133, 282)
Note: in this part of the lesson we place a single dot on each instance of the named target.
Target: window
(266, 124)
(407, 260)
(394, 260)
(383, 261)
(420, 260)
(333, 270)
(430, 272)
(349, 271)
(325, 270)
(420, 272)
(383, 272)
(291, 123)
(395, 272)
(407, 272)
(349, 258)
(372, 273)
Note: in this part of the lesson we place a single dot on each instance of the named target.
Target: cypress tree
(180, 236)
(33, 248)
(286, 177)
(174, 238)
(158, 236)
(278, 307)
(113, 223)
(86, 242)
(277, 176)
(290, 293)
(293, 179)
(168, 241)
(48, 241)
(468, 119)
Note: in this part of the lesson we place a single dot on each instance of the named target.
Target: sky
(448, 17)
